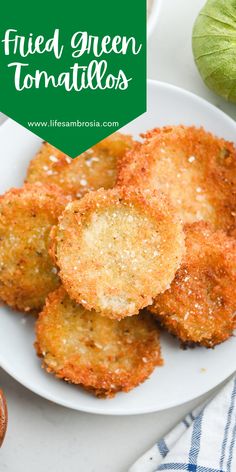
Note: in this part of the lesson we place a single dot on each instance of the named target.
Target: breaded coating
(105, 356)
(117, 249)
(27, 273)
(200, 305)
(196, 169)
(95, 168)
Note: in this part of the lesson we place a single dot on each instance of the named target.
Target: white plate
(186, 374)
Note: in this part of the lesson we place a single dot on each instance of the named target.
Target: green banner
(73, 72)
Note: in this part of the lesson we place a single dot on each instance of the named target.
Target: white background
(43, 437)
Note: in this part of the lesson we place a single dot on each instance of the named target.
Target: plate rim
(117, 411)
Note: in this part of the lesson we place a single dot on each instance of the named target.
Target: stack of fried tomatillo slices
(198, 172)
(121, 249)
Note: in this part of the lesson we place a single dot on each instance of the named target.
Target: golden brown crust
(200, 305)
(27, 274)
(117, 249)
(196, 169)
(104, 356)
(93, 169)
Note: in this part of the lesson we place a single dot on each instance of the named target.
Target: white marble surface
(43, 437)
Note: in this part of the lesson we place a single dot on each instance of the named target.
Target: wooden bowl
(3, 417)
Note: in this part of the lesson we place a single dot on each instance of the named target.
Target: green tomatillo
(214, 46)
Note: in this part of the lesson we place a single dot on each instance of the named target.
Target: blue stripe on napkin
(205, 441)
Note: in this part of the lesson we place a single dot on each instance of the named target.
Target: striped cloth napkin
(205, 441)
